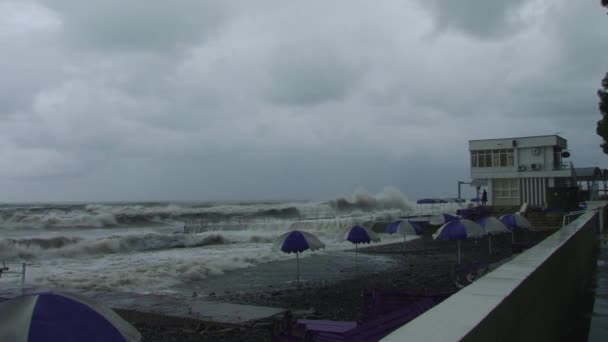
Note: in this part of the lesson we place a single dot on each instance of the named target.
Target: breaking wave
(78, 247)
(390, 198)
(82, 216)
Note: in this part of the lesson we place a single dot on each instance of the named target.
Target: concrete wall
(540, 308)
(530, 298)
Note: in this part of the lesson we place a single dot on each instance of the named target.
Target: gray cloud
(155, 25)
(311, 73)
(479, 18)
(219, 100)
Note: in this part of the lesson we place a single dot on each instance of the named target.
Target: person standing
(484, 197)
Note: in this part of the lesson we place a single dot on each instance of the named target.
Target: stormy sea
(176, 247)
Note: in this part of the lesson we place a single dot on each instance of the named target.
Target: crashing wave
(77, 247)
(80, 216)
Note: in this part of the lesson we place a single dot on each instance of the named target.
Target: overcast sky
(242, 100)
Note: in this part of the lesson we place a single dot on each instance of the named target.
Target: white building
(518, 170)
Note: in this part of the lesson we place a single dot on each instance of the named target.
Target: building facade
(520, 170)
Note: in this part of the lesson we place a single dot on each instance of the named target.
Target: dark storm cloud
(156, 25)
(479, 18)
(272, 99)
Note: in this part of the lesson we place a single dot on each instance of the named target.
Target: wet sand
(332, 289)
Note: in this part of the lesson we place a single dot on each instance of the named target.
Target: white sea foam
(388, 202)
(140, 247)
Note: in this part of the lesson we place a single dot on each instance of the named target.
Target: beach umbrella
(359, 234)
(297, 242)
(515, 221)
(493, 226)
(55, 316)
(405, 228)
(460, 229)
(449, 217)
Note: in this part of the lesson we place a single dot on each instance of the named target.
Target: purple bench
(372, 330)
(383, 312)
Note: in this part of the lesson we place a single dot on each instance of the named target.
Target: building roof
(591, 173)
(515, 138)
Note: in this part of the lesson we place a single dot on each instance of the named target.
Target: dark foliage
(602, 125)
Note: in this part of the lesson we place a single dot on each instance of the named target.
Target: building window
(506, 188)
(492, 158)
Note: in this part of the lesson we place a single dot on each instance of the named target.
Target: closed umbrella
(55, 316)
(460, 229)
(297, 242)
(359, 234)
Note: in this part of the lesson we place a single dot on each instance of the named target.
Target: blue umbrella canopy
(459, 229)
(515, 221)
(359, 234)
(298, 241)
(449, 217)
(52, 316)
(404, 227)
(493, 226)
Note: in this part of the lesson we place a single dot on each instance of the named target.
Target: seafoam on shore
(141, 247)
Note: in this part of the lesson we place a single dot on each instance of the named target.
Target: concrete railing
(530, 298)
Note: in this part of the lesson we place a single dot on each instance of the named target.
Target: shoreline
(427, 265)
(424, 265)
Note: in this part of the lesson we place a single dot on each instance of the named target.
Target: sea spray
(389, 198)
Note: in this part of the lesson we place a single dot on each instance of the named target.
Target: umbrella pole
(403, 245)
(490, 243)
(298, 265)
(512, 236)
(458, 252)
(355, 255)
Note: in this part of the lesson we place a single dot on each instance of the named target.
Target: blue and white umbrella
(404, 228)
(460, 229)
(297, 242)
(449, 217)
(360, 234)
(492, 226)
(53, 316)
(515, 221)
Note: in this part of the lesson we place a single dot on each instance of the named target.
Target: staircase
(545, 220)
(540, 220)
(499, 211)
